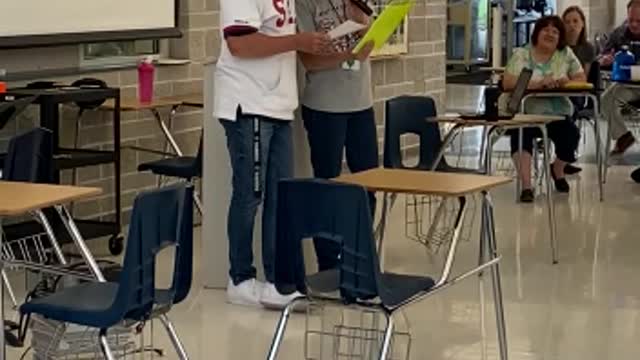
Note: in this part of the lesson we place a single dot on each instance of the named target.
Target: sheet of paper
(346, 28)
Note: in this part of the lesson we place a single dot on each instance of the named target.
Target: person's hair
(551, 20)
(632, 3)
(582, 38)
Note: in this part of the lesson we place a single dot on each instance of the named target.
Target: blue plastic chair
(340, 213)
(160, 218)
(188, 168)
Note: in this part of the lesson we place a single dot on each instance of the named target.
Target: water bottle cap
(625, 47)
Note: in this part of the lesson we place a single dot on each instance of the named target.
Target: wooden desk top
(132, 104)
(19, 198)
(519, 119)
(423, 182)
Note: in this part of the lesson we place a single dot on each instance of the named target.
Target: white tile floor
(585, 308)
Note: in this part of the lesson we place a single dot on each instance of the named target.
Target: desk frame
(590, 95)
(78, 240)
(494, 130)
(488, 257)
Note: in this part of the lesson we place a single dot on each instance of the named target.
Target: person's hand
(365, 52)
(354, 13)
(549, 82)
(606, 59)
(315, 43)
(562, 81)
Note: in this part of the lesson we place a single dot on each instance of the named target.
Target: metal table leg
(550, 204)
(445, 143)
(491, 251)
(71, 227)
(3, 353)
(596, 131)
(166, 131)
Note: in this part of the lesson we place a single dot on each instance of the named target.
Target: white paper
(346, 28)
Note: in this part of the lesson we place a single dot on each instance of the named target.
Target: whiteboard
(29, 18)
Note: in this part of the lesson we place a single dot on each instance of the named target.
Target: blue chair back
(332, 211)
(407, 115)
(30, 157)
(158, 221)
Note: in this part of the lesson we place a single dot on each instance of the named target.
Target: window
(119, 53)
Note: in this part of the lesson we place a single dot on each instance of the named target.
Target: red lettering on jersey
(281, 9)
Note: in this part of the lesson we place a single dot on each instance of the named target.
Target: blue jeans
(330, 136)
(276, 162)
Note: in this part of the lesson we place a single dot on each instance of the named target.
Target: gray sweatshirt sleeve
(616, 40)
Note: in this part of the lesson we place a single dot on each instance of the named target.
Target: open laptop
(514, 103)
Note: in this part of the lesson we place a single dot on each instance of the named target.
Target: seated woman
(553, 65)
(575, 25)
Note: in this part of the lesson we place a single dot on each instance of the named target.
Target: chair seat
(395, 288)
(181, 167)
(399, 288)
(86, 304)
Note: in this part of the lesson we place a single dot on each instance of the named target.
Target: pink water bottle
(146, 73)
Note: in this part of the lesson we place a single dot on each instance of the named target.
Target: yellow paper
(386, 24)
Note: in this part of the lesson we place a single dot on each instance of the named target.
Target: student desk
(448, 185)
(494, 129)
(594, 97)
(20, 198)
(172, 102)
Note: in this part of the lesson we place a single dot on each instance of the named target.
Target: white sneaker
(272, 299)
(246, 293)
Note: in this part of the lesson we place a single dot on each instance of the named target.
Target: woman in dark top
(576, 37)
(574, 21)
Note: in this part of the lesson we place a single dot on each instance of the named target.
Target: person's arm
(241, 21)
(313, 62)
(258, 45)
(613, 43)
(512, 71)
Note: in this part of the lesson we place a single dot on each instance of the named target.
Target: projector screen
(26, 23)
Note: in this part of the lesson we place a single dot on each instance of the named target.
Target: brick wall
(421, 71)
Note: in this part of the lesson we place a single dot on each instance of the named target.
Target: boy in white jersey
(255, 96)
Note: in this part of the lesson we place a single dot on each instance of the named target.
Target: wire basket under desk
(334, 332)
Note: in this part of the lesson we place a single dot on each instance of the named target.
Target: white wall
(621, 11)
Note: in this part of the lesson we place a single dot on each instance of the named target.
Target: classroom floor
(587, 307)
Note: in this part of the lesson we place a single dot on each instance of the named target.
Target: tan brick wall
(421, 71)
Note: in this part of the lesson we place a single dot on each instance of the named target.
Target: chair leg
(9, 288)
(197, 202)
(282, 327)
(388, 336)
(173, 335)
(104, 345)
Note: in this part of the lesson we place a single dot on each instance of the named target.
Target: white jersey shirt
(266, 86)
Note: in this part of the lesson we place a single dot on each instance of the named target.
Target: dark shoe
(561, 184)
(635, 175)
(572, 170)
(527, 196)
(623, 144)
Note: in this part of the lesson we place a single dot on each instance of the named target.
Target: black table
(49, 101)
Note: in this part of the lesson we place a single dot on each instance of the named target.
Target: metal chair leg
(550, 204)
(104, 345)
(9, 288)
(282, 327)
(388, 336)
(173, 336)
(198, 202)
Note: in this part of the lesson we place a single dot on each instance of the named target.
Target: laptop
(514, 103)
